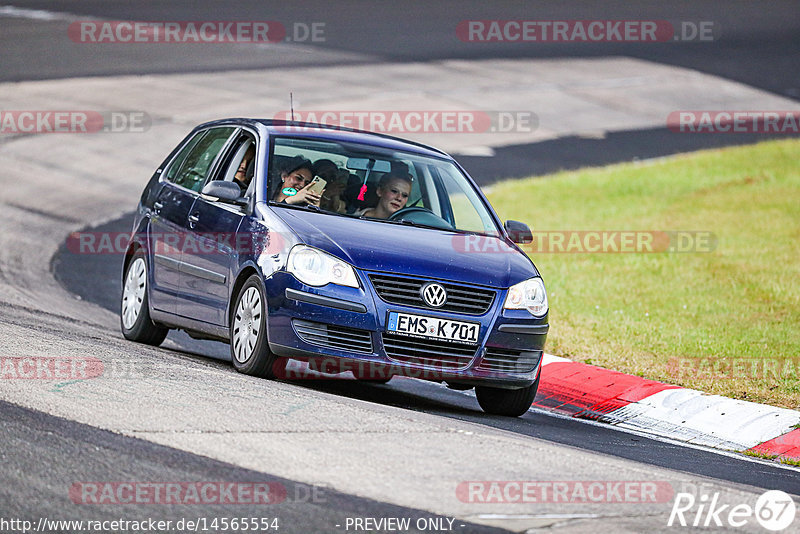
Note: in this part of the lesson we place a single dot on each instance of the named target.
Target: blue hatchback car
(349, 250)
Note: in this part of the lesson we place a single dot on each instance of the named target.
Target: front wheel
(510, 402)
(134, 315)
(248, 329)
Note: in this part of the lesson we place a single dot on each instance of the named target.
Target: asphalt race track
(757, 46)
(336, 450)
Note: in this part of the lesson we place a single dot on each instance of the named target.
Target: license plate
(433, 328)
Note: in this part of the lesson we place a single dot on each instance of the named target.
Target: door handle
(157, 205)
(194, 218)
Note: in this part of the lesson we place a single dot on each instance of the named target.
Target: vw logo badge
(434, 295)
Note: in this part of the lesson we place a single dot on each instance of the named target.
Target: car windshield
(375, 183)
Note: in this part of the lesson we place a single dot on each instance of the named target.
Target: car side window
(239, 164)
(193, 169)
(465, 205)
(177, 162)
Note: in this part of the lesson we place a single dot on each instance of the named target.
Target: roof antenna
(291, 106)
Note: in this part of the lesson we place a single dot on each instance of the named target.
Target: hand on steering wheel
(420, 215)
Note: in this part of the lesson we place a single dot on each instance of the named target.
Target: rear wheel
(134, 315)
(249, 346)
(511, 402)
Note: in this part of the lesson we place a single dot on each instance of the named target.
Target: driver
(244, 174)
(393, 190)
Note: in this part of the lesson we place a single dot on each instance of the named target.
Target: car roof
(310, 130)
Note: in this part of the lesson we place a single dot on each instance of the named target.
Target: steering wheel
(420, 215)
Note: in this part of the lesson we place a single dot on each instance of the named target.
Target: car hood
(402, 249)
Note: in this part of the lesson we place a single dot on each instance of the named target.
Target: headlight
(528, 295)
(314, 267)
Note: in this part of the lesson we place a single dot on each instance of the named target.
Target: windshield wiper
(311, 207)
(408, 222)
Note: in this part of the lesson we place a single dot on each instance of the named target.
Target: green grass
(706, 320)
(787, 461)
(763, 456)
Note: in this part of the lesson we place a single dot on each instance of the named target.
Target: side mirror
(224, 191)
(519, 232)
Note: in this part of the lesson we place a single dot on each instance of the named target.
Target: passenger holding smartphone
(296, 183)
(336, 182)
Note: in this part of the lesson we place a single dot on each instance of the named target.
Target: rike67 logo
(774, 510)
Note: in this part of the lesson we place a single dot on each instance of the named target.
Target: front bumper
(338, 329)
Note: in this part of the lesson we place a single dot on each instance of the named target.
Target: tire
(250, 352)
(510, 402)
(134, 312)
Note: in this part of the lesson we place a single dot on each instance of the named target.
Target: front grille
(404, 290)
(428, 352)
(333, 336)
(509, 361)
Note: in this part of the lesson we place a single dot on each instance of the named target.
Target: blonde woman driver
(393, 190)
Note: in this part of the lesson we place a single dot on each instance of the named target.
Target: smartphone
(317, 185)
